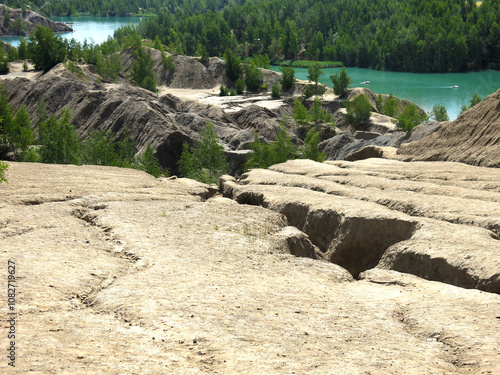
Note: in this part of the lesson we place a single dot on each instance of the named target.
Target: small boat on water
(454, 87)
(366, 82)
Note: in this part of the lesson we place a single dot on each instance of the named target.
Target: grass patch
(308, 63)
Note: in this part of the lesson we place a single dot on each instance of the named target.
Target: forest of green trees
(401, 35)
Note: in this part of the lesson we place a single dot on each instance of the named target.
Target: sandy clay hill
(23, 22)
(368, 267)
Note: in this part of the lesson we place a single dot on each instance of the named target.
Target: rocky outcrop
(418, 218)
(115, 267)
(473, 138)
(28, 21)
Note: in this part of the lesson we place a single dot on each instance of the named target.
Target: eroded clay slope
(440, 221)
(473, 138)
(122, 273)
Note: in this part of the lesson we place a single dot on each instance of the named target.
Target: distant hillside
(473, 138)
(23, 22)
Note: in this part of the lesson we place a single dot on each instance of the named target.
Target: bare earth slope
(440, 221)
(473, 138)
(31, 20)
(122, 273)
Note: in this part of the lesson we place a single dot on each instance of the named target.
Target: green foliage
(300, 115)
(19, 26)
(5, 115)
(203, 53)
(410, 118)
(25, 66)
(379, 103)
(31, 156)
(288, 79)
(142, 73)
(98, 149)
(308, 92)
(46, 49)
(476, 99)
(4, 62)
(239, 86)
(439, 113)
(168, 62)
(341, 82)
(223, 90)
(253, 77)
(310, 149)
(72, 67)
(206, 162)
(22, 50)
(148, 162)
(21, 133)
(262, 61)
(12, 53)
(109, 67)
(358, 110)
(307, 63)
(314, 72)
(265, 155)
(317, 114)
(391, 106)
(3, 169)
(276, 91)
(233, 65)
(59, 140)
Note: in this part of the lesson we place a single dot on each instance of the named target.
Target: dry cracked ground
(121, 273)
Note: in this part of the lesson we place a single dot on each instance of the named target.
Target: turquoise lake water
(422, 89)
(97, 29)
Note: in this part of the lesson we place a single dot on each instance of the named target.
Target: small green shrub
(233, 65)
(59, 140)
(168, 62)
(206, 162)
(358, 110)
(240, 86)
(261, 61)
(288, 78)
(109, 67)
(3, 169)
(476, 99)
(148, 162)
(310, 149)
(341, 82)
(390, 106)
(410, 118)
(317, 115)
(300, 115)
(223, 90)
(253, 77)
(439, 113)
(276, 91)
(265, 155)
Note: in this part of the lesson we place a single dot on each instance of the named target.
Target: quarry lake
(97, 29)
(424, 90)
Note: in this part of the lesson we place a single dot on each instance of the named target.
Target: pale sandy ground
(120, 273)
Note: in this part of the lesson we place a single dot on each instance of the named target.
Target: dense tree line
(407, 35)
(115, 7)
